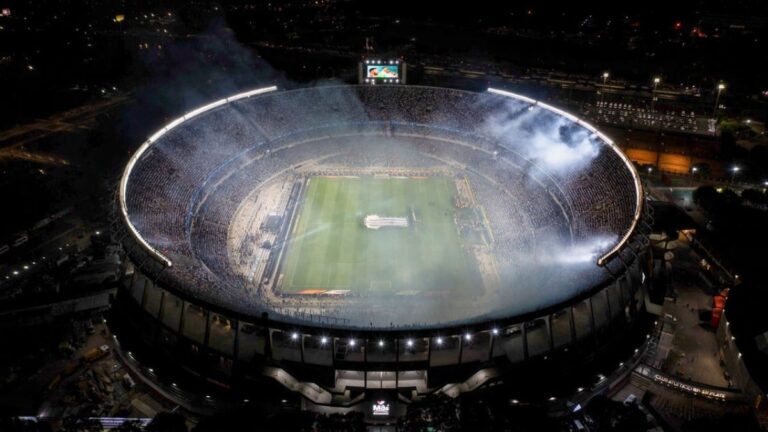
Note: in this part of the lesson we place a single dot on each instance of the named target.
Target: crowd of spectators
(184, 191)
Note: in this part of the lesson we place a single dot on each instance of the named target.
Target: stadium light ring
(223, 309)
(635, 177)
(122, 192)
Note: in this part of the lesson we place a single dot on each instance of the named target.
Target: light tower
(720, 88)
(602, 90)
(656, 81)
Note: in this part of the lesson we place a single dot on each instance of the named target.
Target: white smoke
(552, 141)
(586, 251)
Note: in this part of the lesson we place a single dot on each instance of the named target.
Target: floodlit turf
(329, 247)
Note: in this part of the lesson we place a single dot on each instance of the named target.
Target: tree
(755, 196)
(729, 422)
(705, 197)
(611, 415)
(702, 169)
(167, 422)
(130, 426)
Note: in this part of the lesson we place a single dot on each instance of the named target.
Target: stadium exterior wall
(222, 345)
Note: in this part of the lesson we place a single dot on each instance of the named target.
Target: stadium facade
(221, 216)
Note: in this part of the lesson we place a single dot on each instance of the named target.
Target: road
(14, 142)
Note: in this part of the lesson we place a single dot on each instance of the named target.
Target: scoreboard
(375, 71)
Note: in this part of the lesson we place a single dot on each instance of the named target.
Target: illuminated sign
(386, 71)
(688, 388)
(380, 408)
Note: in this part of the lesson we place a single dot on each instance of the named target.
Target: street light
(656, 81)
(602, 90)
(735, 171)
(720, 88)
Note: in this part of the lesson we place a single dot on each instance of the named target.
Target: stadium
(341, 239)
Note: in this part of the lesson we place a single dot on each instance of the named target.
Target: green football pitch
(329, 248)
